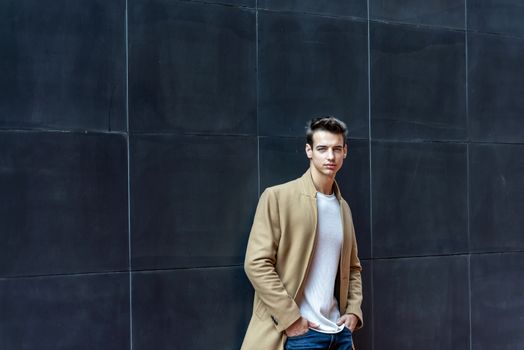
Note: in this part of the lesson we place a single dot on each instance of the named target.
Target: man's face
(327, 154)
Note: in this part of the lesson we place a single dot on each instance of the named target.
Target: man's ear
(309, 151)
(345, 150)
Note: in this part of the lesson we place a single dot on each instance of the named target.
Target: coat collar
(309, 189)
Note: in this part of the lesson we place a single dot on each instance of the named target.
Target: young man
(302, 255)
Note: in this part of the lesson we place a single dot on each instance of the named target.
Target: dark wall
(135, 137)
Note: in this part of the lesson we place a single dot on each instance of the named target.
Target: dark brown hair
(329, 123)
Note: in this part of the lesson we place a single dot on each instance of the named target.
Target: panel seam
(129, 259)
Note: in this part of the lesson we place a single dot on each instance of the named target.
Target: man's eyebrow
(335, 146)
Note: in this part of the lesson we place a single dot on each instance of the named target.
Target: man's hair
(328, 123)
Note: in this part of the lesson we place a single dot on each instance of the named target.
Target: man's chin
(330, 173)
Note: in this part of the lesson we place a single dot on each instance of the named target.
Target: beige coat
(277, 260)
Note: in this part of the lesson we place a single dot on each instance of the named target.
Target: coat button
(274, 320)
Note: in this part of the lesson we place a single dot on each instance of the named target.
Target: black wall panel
(310, 66)
(496, 16)
(497, 198)
(418, 83)
(445, 13)
(419, 199)
(354, 8)
(421, 303)
(280, 158)
(64, 203)
(239, 3)
(177, 218)
(497, 282)
(192, 68)
(65, 312)
(190, 309)
(496, 87)
(62, 64)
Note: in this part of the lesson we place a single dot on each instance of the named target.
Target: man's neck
(323, 183)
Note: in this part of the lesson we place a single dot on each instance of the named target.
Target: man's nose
(331, 154)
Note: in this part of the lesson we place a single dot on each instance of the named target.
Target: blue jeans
(313, 340)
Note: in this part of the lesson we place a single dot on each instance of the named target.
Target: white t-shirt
(319, 304)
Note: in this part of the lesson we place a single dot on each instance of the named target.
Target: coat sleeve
(355, 283)
(260, 263)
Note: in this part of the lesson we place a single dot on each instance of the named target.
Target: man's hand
(349, 320)
(300, 327)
